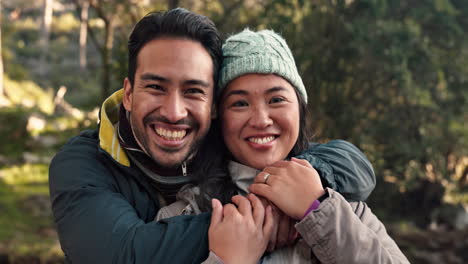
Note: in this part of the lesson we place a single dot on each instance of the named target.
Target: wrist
(314, 206)
(316, 203)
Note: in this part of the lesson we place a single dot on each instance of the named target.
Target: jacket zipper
(184, 168)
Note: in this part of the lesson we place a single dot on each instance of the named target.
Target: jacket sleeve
(340, 232)
(343, 168)
(96, 224)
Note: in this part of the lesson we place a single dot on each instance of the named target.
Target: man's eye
(155, 87)
(276, 100)
(194, 91)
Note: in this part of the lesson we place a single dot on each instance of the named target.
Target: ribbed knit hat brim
(263, 52)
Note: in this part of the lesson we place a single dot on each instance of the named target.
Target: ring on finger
(265, 177)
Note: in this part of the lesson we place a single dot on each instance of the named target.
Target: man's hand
(291, 185)
(240, 235)
(284, 233)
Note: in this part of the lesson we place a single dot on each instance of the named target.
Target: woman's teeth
(261, 140)
(171, 134)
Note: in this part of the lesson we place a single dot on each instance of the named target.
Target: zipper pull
(184, 168)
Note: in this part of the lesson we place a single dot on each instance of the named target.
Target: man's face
(171, 100)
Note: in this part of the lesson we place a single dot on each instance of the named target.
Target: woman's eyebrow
(275, 89)
(236, 92)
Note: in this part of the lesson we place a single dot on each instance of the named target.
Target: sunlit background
(391, 76)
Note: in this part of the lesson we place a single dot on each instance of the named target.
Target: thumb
(217, 213)
(303, 162)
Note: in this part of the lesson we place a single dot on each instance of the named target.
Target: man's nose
(260, 118)
(174, 108)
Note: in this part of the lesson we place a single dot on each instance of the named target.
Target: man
(107, 185)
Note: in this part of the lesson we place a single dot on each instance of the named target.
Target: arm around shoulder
(97, 223)
(343, 168)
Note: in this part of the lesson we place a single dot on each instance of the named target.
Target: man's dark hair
(179, 23)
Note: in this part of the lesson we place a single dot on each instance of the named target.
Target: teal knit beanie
(263, 52)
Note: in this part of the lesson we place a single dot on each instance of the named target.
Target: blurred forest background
(391, 76)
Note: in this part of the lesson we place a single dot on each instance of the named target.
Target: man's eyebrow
(152, 77)
(197, 82)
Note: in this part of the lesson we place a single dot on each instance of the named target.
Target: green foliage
(26, 221)
(29, 94)
(13, 137)
(27, 174)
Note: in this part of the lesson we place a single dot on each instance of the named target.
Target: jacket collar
(242, 175)
(108, 136)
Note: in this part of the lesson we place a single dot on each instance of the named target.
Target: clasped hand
(242, 234)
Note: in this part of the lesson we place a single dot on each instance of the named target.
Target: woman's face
(260, 119)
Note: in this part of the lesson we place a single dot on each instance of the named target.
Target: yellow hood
(108, 136)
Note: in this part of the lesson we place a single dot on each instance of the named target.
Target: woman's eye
(276, 100)
(239, 104)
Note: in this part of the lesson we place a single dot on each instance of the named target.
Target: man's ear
(127, 97)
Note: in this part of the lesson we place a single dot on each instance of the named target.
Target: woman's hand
(240, 235)
(291, 185)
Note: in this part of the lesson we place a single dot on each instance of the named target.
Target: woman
(262, 112)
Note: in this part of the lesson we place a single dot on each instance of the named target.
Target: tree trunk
(106, 57)
(83, 34)
(2, 92)
(45, 34)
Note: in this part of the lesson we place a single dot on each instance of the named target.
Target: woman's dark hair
(305, 135)
(211, 172)
(179, 23)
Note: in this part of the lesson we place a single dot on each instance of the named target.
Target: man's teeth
(171, 134)
(261, 140)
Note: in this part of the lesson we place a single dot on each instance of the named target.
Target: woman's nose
(260, 118)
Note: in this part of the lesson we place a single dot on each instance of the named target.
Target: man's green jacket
(104, 206)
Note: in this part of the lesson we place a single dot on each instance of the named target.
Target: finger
(268, 227)
(264, 201)
(280, 164)
(274, 232)
(258, 210)
(229, 210)
(283, 231)
(273, 169)
(243, 205)
(261, 177)
(262, 190)
(292, 233)
(302, 162)
(217, 213)
(269, 170)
